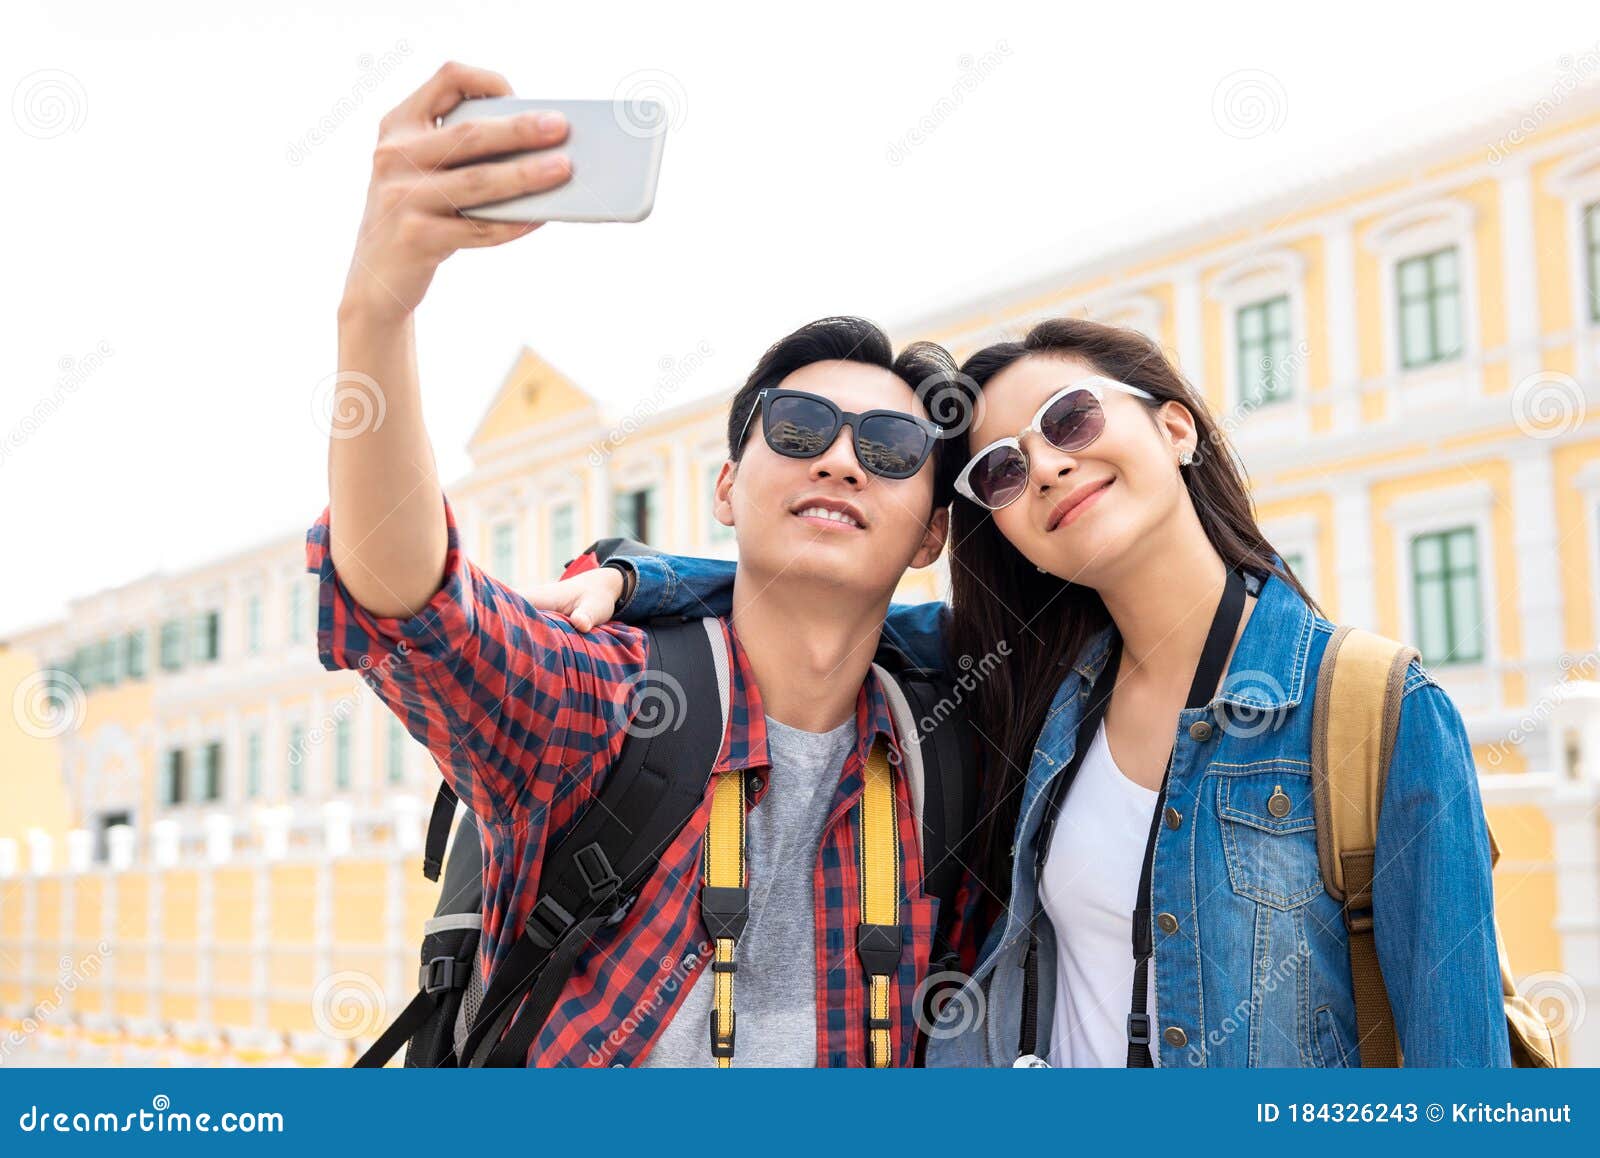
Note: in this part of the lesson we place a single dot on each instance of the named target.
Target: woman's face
(1086, 515)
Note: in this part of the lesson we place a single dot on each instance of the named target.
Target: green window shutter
(1591, 228)
(503, 551)
(134, 661)
(172, 641)
(396, 754)
(297, 760)
(1428, 299)
(207, 636)
(1262, 351)
(213, 771)
(173, 782)
(253, 625)
(252, 765)
(1447, 600)
(563, 538)
(341, 754)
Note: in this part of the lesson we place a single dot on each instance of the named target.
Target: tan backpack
(1354, 721)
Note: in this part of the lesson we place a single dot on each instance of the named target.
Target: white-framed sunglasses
(1069, 420)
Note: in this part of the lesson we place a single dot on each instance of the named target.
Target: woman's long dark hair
(998, 596)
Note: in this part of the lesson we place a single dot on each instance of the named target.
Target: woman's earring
(1185, 456)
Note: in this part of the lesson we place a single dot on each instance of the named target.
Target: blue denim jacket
(1256, 971)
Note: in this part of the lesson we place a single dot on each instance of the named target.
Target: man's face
(773, 502)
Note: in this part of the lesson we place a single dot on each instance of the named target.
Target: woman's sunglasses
(1069, 420)
(800, 425)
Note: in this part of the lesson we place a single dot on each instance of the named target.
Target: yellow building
(1406, 354)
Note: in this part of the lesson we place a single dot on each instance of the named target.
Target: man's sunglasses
(890, 443)
(1069, 420)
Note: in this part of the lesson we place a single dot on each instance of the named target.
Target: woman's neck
(1162, 600)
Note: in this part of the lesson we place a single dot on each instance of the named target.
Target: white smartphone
(615, 149)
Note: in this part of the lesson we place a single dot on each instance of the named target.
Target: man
(833, 487)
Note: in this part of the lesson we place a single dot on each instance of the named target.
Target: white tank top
(1089, 888)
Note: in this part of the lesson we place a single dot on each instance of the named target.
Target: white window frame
(572, 500)
(709, 459)
(1474, 686)
(638, 475)
(1412, 232)
(1250, 281)
(510, 576)
(1577, 183)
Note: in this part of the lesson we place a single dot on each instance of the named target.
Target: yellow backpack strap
(878, 935)
(724, 903)
(1354, 721)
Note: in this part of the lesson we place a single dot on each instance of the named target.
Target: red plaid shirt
(525, 715)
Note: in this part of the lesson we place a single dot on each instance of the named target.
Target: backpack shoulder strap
(1354, 721)
(588, 881)
(940, 767)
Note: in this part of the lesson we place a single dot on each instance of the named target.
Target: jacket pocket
(1331, 1053)
(1269, 832)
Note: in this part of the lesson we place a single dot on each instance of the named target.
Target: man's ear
(722, 494)
(932, 545)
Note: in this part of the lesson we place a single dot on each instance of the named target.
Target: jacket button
(756, 784)
(1167, 923)
(1173, 1035)
(1174, 818)
(1200, 730)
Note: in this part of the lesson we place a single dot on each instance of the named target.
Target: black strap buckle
(547, 922)
(1138, 1029)
(723, 1046)
(725, 911)
(597, 872)
(442, 973)
(879, 948)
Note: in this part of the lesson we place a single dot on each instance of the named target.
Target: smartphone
(615, 148)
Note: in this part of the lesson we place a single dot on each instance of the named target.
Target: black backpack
(592, 877)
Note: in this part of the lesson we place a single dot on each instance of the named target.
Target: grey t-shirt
(775, 988)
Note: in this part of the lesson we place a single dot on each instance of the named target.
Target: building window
(1429, 297)
(297, 760)
(134, 659)
(1293, 562)
(1447, 601)
(108, 662)
(503, 551)
(1263, 334)
(172, 780)
(719, 532)
(211, 771)
(1591, 232)
(634, 514)
(563, 538)
(341, 755)
(172, 640)
(252, 765)
(207, 636)
(253, 625)
(297, 610)
(397, 751)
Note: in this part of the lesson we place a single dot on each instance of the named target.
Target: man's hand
(586, 599)
(421, 177)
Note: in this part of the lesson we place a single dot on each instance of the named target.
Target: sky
(183, 184)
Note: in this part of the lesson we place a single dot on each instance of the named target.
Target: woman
(1104, 533)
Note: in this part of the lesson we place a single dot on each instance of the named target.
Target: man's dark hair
(926, 367)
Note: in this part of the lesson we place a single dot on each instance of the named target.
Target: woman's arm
(1433, 900)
